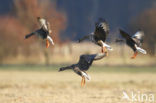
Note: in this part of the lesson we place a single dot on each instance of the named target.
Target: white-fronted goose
(83, 65)
(43, 32)
(99, 35)
(134, 41)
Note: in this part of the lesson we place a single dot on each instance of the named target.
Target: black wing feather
(101, 30)
(125, 34)
(85, 62)
(29, 35)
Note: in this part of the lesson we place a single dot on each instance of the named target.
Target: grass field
(43, 84)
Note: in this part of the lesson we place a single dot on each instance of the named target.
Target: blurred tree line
(129, 14)
(81, 15)
(22, 20)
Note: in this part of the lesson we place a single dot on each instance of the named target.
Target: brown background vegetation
(22, 20)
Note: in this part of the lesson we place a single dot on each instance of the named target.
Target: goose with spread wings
(83, 65)
(43, 32)
(134, 41)
(99, 35)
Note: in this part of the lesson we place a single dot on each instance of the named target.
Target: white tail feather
(141, 50)
(86, 76)
(50, 39)
(107, 46)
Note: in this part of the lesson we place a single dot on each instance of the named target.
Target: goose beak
(134, 55)
(83, 81)
(47, 43)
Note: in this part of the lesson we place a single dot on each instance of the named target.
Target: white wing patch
(43, 23)
(138, 35)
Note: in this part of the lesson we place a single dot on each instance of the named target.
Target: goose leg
(82, 81)
(134, 55)
(103, 49)
(47, 43)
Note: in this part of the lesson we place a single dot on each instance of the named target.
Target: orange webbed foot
(47, 44)
(134, 55)
(83, 81)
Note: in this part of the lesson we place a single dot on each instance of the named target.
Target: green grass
(131, 69)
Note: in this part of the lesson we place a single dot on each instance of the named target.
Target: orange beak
(134, 55)
(83, 81)
(47, 44)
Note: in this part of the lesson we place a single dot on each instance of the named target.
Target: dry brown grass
(64, 87)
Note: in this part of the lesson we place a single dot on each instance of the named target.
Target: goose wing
(38, 32)
(86, 60)
(126, 36)
(41, 33)
(44, 24)
(138, 37)
(101, 30)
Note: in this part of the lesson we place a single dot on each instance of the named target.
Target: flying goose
(43, 32)
(134, 41)
(99, 35)
(85, 61)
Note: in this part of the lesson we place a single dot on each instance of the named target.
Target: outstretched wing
(29, 35)
(37, 32)
(44, 24)
(126, 36)
(101, 29)
(86, 61)
(89, 37)
(138, 37)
